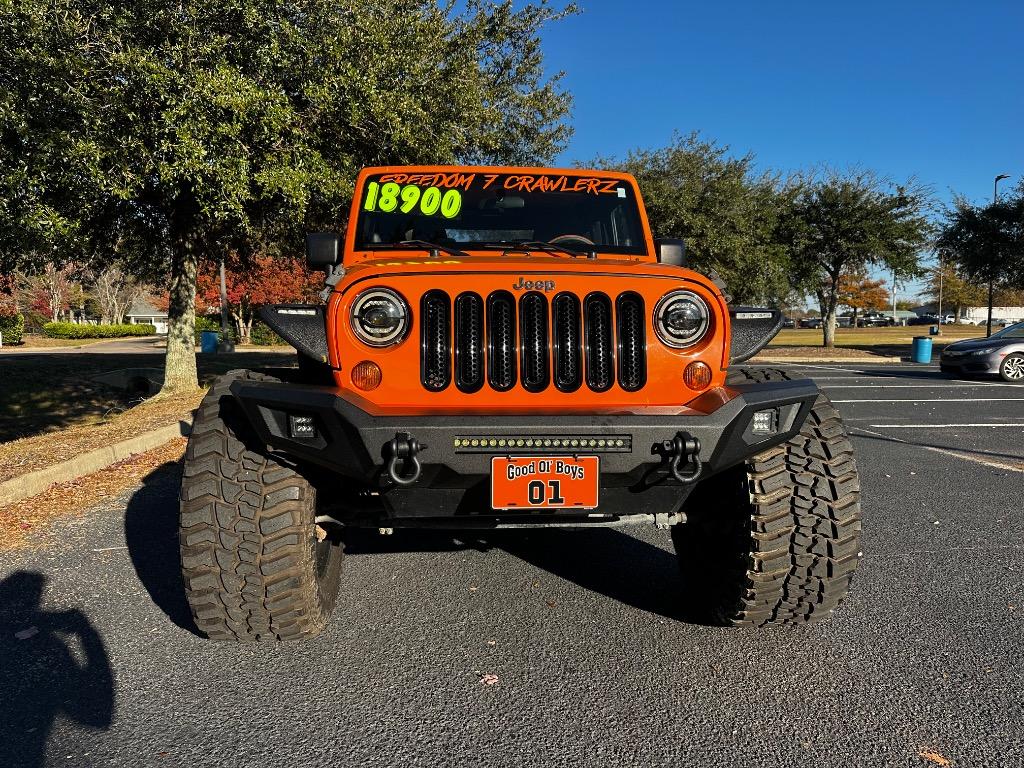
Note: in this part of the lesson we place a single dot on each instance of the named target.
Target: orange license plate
(544, 482)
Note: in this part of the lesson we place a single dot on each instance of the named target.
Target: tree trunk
(180, 370)
(828, 297)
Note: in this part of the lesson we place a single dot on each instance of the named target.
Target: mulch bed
(19, 457)
(30, 522)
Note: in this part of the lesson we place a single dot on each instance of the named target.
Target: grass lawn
(882, 341)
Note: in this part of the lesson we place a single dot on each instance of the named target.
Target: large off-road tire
(775, 540)
(253, 564)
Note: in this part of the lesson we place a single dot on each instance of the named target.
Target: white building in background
(978, 315)
(142, 312)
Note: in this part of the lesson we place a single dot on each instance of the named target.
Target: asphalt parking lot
(582, 629)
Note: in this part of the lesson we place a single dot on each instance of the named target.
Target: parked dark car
(788, 322)
(1001, 353)
(810, 322)
(875, 320)
(924, 320)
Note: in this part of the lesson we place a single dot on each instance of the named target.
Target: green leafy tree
(840, 224)
(161, 132)
(955, 290)
(726, 212)
(987, 242)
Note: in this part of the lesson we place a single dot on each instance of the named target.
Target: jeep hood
(398, 263)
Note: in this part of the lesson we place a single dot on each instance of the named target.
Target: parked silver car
(1001, 353)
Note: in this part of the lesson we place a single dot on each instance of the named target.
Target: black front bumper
(455, 478)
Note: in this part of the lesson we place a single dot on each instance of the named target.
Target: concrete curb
(852, 360)
(30, 484)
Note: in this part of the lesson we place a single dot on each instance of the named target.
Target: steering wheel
(571, 239)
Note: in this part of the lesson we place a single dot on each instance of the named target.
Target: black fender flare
(752, 329)
(304, 326)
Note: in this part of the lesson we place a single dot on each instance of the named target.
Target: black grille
(435, 341)
(565, 316)
(469, 342)
(501, 340)
(570, 344)
(533, 340)
(597, 319)
(629, 311)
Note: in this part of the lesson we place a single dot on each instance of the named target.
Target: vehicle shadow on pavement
(151, 533)
(52, 663)
(603, 560)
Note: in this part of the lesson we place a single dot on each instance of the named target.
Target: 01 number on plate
(544, 482)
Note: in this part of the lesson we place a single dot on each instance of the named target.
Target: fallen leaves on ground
(27, 522)
(488, 679)
(935, 757)
(796, 351)
(29, 454)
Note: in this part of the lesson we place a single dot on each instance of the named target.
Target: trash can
(933, 330)
(921, 352)
(208, 342)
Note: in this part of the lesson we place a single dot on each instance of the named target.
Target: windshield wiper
(543, 245)
(434, 248)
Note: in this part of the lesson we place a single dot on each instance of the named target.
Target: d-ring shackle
(682, 448)
(404, 448)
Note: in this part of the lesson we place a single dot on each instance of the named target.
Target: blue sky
(933, 90)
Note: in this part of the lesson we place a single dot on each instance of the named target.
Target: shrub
(262, 336)
(83, 331)
(13, 328)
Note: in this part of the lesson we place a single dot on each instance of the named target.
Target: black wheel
(775, 540)
(254, 563)
(1012, 368)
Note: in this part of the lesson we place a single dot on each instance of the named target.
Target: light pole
(991, 279)
(226, 344)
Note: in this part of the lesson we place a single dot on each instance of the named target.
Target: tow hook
(403, 448)
(683, 448)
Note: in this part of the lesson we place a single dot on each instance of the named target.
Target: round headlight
(681, 318)
(380, 317)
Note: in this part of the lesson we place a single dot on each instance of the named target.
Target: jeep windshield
(515, 212)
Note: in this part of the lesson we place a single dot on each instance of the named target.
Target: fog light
(765, 422)
(366, 375)
(697, 375)
(301, 426)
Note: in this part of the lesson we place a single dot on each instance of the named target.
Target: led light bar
(495, 443)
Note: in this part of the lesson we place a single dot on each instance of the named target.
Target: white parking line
(946, 451)
(942, 400)
(941, 426)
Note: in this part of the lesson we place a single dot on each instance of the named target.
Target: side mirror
(670, 251)
(322, 250)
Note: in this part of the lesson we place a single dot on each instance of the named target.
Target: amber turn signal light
(697, 375)
(367, 376)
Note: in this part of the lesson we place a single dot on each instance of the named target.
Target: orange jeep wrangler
(507, 348)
